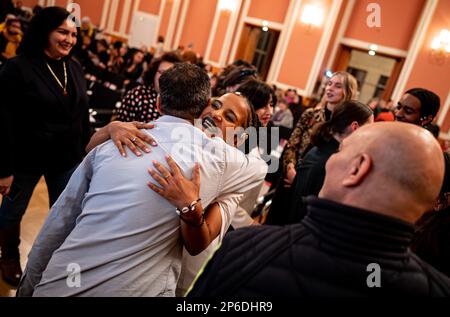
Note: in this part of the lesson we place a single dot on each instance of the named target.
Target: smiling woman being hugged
(44, 124)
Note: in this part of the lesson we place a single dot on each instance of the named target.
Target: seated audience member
(139, 104)
(295, 103)
(87, 28)
(134, 68)
(126, 240)
(10, 39)
(117, 57)
(326, 138)
(101, 56)
(351, 243)
(418, 106)
(283, 117)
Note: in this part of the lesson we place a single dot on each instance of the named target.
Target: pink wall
(130, 18)
(426, 72)
(301, 51)
(150, 6)
(178, 21)
(398, 22)
(198, 23)
(220, 35)
(29, 3)
(333, 38)
(61, 3)
(118, 21)
(269, 10)
(93, 9)
(90, 8)
(165, 18)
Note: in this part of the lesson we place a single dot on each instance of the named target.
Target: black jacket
(327, 255)
(310, 177)
(42, 131)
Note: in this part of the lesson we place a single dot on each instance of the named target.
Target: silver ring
(134, 139)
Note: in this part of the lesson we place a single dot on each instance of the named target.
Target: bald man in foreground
(353, 241)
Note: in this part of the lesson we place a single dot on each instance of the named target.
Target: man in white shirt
(109, 234)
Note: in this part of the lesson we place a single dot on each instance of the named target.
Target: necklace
(57, 79)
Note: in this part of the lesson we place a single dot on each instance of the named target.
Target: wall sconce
(312, 16)
(228, 5)
(373, 48)
(440, 47)
(265, 26)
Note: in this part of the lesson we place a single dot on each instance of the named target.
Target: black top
(58, 68)
(432, 240)
(43, 131)
(329, 254)
(310, 178)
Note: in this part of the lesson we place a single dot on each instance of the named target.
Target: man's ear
(359, 169)
(158, 104)
(354, 126)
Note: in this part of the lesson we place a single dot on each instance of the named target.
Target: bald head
(392, 168)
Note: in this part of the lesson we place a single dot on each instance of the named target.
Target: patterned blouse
(139, 104)
(300, 140)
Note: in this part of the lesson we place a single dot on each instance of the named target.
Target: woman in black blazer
(44, 124)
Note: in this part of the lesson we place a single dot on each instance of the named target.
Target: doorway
(257, 46)
(376, 75)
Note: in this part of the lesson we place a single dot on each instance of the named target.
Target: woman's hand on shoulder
(174, 187)
(128, 134)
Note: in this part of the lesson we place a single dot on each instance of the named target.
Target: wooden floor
(31, 224)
